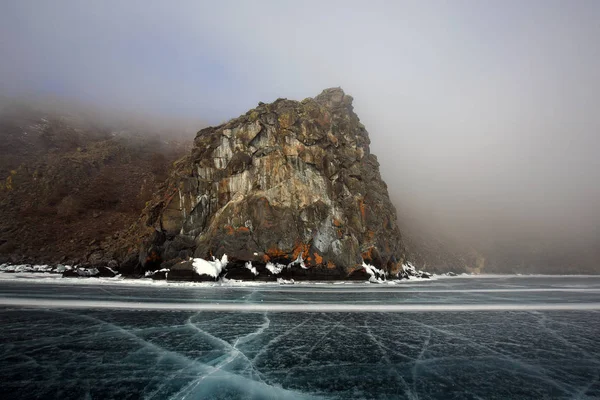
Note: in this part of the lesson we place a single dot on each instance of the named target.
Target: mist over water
(483, 115)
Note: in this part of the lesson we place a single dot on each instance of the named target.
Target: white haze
(483, 114)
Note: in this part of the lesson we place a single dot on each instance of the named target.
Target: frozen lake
(454, 338)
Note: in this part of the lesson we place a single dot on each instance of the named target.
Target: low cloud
(483, 115)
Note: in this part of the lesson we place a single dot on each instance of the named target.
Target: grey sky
(484, 114)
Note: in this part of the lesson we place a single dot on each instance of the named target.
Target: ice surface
(463, 350)
(287, 307)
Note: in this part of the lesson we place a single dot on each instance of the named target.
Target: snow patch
(252, 269)
(42, 268)
(409, 271)
(211, 268)
(7, 268)
(408, 266)
(150, 274)
(23, 268)
(298, 261)
(375, 273)
(275, 268)
(282, 281)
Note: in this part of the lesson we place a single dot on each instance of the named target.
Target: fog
(484, 115)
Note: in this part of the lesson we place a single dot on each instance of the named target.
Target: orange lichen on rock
(318, 258)
(330, 264)
(274, 252)
(301, 249)
(231, 230)
(337, 222)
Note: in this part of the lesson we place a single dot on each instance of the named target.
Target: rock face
(287, 181)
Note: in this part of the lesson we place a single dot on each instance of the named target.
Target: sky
(483, 114)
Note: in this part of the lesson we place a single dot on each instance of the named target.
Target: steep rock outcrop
(287, 181)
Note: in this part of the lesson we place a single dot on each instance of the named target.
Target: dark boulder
(105, 272)
(160, 275)
(241, 271)
(359, 274)
(185, 271)
(82, 272)
(297, 272)
(70, 273)
(131, 266)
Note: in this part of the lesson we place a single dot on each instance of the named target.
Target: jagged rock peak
(291, 181)
(334, 97)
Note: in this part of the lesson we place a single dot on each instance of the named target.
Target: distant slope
(67, 183)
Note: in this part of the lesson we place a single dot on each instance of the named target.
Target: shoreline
(53, 278)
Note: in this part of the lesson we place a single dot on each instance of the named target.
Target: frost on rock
(252, 269)
(211, 268)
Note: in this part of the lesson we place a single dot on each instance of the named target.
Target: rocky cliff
(292, 182)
